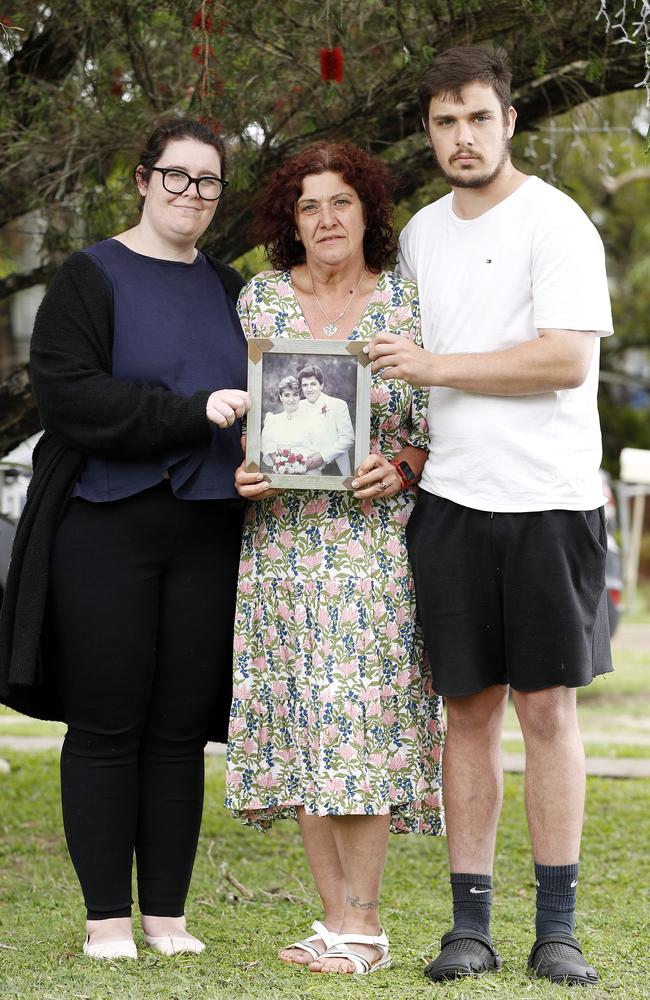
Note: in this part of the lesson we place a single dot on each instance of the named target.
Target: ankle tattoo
(370, 904)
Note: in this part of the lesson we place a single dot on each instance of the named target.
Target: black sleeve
(78, 399)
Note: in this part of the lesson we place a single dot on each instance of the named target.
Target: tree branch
(18, 281)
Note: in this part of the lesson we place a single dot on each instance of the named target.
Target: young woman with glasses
(129, 548)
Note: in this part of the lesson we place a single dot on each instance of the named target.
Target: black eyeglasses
(176, 181)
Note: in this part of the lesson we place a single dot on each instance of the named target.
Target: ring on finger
(383, 486)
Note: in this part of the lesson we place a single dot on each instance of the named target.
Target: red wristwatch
(405, 473)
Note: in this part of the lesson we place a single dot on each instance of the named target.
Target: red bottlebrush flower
(280, 103)
(6, 20)
(203, 21)
(201, 52)
(218, 87)
(331, 64)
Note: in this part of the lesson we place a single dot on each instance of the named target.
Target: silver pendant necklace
(330, 328)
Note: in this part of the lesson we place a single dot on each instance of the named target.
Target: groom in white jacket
(329, 422)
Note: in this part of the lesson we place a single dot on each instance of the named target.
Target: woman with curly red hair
(334, 721)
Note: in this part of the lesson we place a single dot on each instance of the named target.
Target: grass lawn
(271, 902)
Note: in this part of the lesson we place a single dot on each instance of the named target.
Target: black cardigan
(85, 411)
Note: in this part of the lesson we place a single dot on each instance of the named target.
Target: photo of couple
(313, 432)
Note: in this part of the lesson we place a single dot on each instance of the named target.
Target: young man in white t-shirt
(508, 539)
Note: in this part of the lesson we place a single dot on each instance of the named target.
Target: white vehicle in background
(613, 574)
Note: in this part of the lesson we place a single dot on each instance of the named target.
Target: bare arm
(557, 359)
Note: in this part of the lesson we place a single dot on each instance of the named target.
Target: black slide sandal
(559, 958)
(463, 953)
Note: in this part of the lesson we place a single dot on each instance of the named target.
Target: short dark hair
(311, 371)
(274, 221)
(169, 130)
(454, 69)
(288, 382)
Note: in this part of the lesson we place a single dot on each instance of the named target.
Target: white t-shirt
(534, 261)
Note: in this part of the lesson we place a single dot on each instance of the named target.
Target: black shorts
(513, 599)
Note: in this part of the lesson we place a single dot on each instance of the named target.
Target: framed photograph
(309, 424)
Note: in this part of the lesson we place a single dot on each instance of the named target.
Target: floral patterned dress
(333, 707)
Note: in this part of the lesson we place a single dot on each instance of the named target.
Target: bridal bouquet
(287, 462)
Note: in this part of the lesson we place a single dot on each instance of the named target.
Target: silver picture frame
(347, 373)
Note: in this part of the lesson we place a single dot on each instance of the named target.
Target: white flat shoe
(173, 944)
(111, 949)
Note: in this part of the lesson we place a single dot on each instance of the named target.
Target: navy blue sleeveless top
(175, 327)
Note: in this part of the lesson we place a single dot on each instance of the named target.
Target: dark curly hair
(274, 220)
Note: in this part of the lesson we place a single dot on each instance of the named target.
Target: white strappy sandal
(307, 946)
(339, 948)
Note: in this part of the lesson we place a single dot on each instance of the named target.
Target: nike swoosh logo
(476, 891)
(574, 884)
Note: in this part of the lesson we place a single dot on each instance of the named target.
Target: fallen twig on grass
(276, 893)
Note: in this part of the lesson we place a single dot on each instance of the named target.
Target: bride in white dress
(287, 430)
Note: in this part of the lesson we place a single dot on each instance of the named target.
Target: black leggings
(141, 615)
